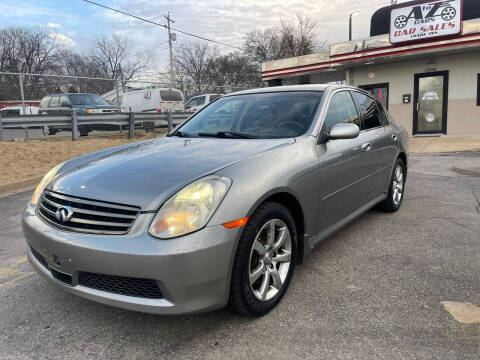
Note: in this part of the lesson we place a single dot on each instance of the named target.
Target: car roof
(306, 87)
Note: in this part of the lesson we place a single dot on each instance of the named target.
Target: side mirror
(344, 131)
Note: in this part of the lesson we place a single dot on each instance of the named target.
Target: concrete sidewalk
(442, 144)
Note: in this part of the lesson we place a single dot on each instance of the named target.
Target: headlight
(191, 208)
(43, 184)
(94, 111)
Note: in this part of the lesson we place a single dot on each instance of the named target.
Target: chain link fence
(51, 95)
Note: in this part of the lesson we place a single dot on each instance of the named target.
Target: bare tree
(284, 40)
(234, 71)
(112, 54)
(263, 45)
(299, 38)
(193, 62)
(27, 51)
(75, 64)
(81, 68)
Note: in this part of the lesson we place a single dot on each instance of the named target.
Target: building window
(478, 89)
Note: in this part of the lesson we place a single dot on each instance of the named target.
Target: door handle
(366, 147)
(394, 137)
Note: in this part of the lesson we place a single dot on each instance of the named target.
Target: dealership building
(422, 61)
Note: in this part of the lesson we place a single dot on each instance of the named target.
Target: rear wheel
(264, 261)
(396, 189)
(47, 130)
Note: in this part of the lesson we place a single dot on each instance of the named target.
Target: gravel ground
(372, 291)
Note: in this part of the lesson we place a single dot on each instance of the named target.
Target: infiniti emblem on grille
(64, 213)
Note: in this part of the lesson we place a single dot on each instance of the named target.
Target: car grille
(109, 110)
(144, 288)
(89, 216)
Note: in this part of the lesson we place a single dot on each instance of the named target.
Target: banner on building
(425, 20)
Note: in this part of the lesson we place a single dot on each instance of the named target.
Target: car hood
(146, 174)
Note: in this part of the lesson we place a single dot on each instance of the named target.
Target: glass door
(430, 107)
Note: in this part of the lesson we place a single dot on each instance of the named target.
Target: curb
(16, 187)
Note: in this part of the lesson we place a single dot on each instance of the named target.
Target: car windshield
(262, 115)
(87, 99)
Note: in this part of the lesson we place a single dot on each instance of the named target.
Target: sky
(75, 23)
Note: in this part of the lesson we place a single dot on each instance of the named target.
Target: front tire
(394, 200)
(264, 262)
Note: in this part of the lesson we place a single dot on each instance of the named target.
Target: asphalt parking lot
(372, 291)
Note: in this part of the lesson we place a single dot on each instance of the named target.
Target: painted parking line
(13, 274)
(466, 313)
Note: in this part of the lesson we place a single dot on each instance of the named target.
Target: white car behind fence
(198, 102)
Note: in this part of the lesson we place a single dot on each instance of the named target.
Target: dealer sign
(425, 20)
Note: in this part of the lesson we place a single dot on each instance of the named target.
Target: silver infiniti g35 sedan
(220, 210)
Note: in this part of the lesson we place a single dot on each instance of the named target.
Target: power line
(161, 25)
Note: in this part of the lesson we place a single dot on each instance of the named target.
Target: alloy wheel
(401, 22)
(448, 13)
(270, 259)
(397, 185)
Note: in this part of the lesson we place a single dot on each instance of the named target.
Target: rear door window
(55, 101)
(383, 114)
(64, 100)
(369, 110)
(341, 109)
(170, 95)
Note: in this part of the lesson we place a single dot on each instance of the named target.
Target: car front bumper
(192, 271)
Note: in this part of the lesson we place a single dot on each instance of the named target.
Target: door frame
(417, 77)
(375, 86)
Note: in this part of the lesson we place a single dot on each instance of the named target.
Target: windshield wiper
(179, 133)
(228, 134)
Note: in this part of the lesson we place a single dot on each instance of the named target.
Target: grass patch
(21, 160)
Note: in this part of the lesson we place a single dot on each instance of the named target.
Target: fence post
(74, 126)
(131, 125)
(27, 135)
(118, 95)
(170, 122)
(1, 129)
(22, 93)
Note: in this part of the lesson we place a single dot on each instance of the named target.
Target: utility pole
(172, 74)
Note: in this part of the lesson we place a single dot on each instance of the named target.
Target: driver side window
(341, 109)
